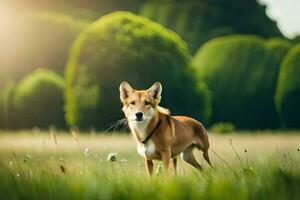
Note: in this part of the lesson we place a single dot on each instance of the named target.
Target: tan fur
(175, 134)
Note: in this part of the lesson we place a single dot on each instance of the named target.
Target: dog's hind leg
(189, 157)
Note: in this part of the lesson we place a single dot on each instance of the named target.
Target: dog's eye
(132, 102)
(147, 102)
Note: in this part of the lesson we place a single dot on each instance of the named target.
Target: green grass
(33, 166)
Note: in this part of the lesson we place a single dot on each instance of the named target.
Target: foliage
(39, 33)
(223, 127)
(9, 113)
(288, 89)
(296, 39)
(1, 110)
(198, 21)
(122, 46)
(37, 39)
(241, 72)
(38, 100)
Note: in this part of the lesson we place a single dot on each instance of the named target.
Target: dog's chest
(146, 150)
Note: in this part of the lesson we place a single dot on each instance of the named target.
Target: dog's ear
(155, 91)
(125, 90)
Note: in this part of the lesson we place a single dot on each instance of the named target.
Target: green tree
(38, 100)
(287, 96)
(198, 21)
(241, 72)
(122, 46)
(296, 39)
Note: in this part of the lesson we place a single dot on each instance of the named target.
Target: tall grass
(34, 166)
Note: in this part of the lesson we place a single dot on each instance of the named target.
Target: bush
(1, 110)
(296, 39)
(223, 127)
(287, 96)
(241, 72)
(38, 100)
(122, 46)
(9, 113)
(198, 21)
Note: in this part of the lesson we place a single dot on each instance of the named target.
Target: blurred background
(230, 64)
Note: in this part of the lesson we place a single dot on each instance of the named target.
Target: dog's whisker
(119, 123)
(114, 125)
(110, 126)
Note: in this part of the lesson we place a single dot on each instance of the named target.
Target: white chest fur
(145, 150)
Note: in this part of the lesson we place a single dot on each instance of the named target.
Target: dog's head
(140, 105)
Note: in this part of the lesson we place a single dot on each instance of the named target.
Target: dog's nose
(139, 115)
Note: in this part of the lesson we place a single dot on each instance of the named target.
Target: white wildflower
(87, 152)
(112, 157)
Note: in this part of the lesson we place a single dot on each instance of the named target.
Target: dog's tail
(206, 157)
(203, 143)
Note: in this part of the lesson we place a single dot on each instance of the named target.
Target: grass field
(34, 165)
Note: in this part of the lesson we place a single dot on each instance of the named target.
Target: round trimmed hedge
(38, 100)
(241, 72)
(123, 46)
(287, 96)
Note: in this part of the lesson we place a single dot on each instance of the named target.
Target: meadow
(61, 165)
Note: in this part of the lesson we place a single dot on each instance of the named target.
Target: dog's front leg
(149, 166)
(166, 158)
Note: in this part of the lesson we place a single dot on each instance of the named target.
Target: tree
(199, 21)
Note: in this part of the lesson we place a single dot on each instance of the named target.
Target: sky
(287, 15)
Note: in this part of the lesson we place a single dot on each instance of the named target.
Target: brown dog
(159, 135)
